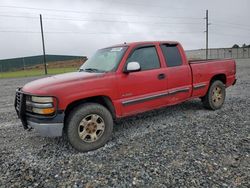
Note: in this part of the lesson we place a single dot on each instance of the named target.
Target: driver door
(142, 90)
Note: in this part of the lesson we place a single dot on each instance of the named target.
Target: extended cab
(120, 81)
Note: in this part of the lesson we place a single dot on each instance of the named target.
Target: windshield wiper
(91, 70)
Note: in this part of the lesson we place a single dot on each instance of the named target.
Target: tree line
(243, 46)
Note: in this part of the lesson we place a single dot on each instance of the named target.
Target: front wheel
(89, 127)
(215, 97)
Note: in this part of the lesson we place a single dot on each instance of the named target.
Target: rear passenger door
(142, 90)
(179, 78)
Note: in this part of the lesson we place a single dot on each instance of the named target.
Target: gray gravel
(179, 146)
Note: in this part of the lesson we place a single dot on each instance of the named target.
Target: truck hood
(49, 84)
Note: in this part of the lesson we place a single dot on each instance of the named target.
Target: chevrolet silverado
(120, 81)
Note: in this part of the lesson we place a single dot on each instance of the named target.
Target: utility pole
(206, 34)
(44, 54)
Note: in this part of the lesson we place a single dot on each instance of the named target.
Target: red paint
(121, 87)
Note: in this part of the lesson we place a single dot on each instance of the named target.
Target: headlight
(40, 105)
(41, 99)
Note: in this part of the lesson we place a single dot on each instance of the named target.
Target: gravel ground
(180, 146)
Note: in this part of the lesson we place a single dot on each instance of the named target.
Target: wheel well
(221, 77)
(103, 100)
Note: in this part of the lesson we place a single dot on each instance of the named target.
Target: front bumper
(47, 130)
(47, 127)
(44, 126)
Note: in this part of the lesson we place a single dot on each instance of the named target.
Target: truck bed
(204, 70)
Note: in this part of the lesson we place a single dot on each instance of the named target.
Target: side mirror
(133, 67)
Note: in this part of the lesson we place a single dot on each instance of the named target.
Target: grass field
(36, 72)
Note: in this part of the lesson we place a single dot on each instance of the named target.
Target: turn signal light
(44, 111)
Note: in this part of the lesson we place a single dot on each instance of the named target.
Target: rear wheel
(89, 127)
(215, 97)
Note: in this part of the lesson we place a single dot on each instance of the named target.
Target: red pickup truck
(119, 81)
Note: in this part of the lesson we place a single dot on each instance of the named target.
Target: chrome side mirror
(133, 67)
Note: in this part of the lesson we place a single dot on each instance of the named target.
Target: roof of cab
(144, 43)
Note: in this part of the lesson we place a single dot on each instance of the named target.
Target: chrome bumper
(47, 129)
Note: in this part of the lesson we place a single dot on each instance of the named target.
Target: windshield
(104, 60)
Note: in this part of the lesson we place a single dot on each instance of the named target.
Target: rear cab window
(172, 55)
(146, 56)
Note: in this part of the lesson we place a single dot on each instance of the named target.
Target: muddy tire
(89, 127)
(215, 97)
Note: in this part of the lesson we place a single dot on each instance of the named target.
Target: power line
(100, 13)
(226, 24)
(118, 21)
(90, 33)
(218, 23)
(143, 4)
(230, 23)
(105, 20)
(19, 16)
(234, 27)
(229, 35)
(113, 2)
(77, 19)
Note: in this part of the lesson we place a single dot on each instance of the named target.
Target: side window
(172, 55)
(147, 57)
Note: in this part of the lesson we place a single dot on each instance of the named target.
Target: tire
(215, 97)
(89, 127)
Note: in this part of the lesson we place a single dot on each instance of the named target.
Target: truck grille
(18, 101)
(20, 107)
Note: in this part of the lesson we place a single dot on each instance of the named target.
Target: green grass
(36, 72)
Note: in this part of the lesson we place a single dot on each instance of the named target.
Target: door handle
(161, 76)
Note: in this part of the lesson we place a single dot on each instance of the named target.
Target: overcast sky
(79, 27)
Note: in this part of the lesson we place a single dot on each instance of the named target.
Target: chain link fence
(31, 66)
(219, 53)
